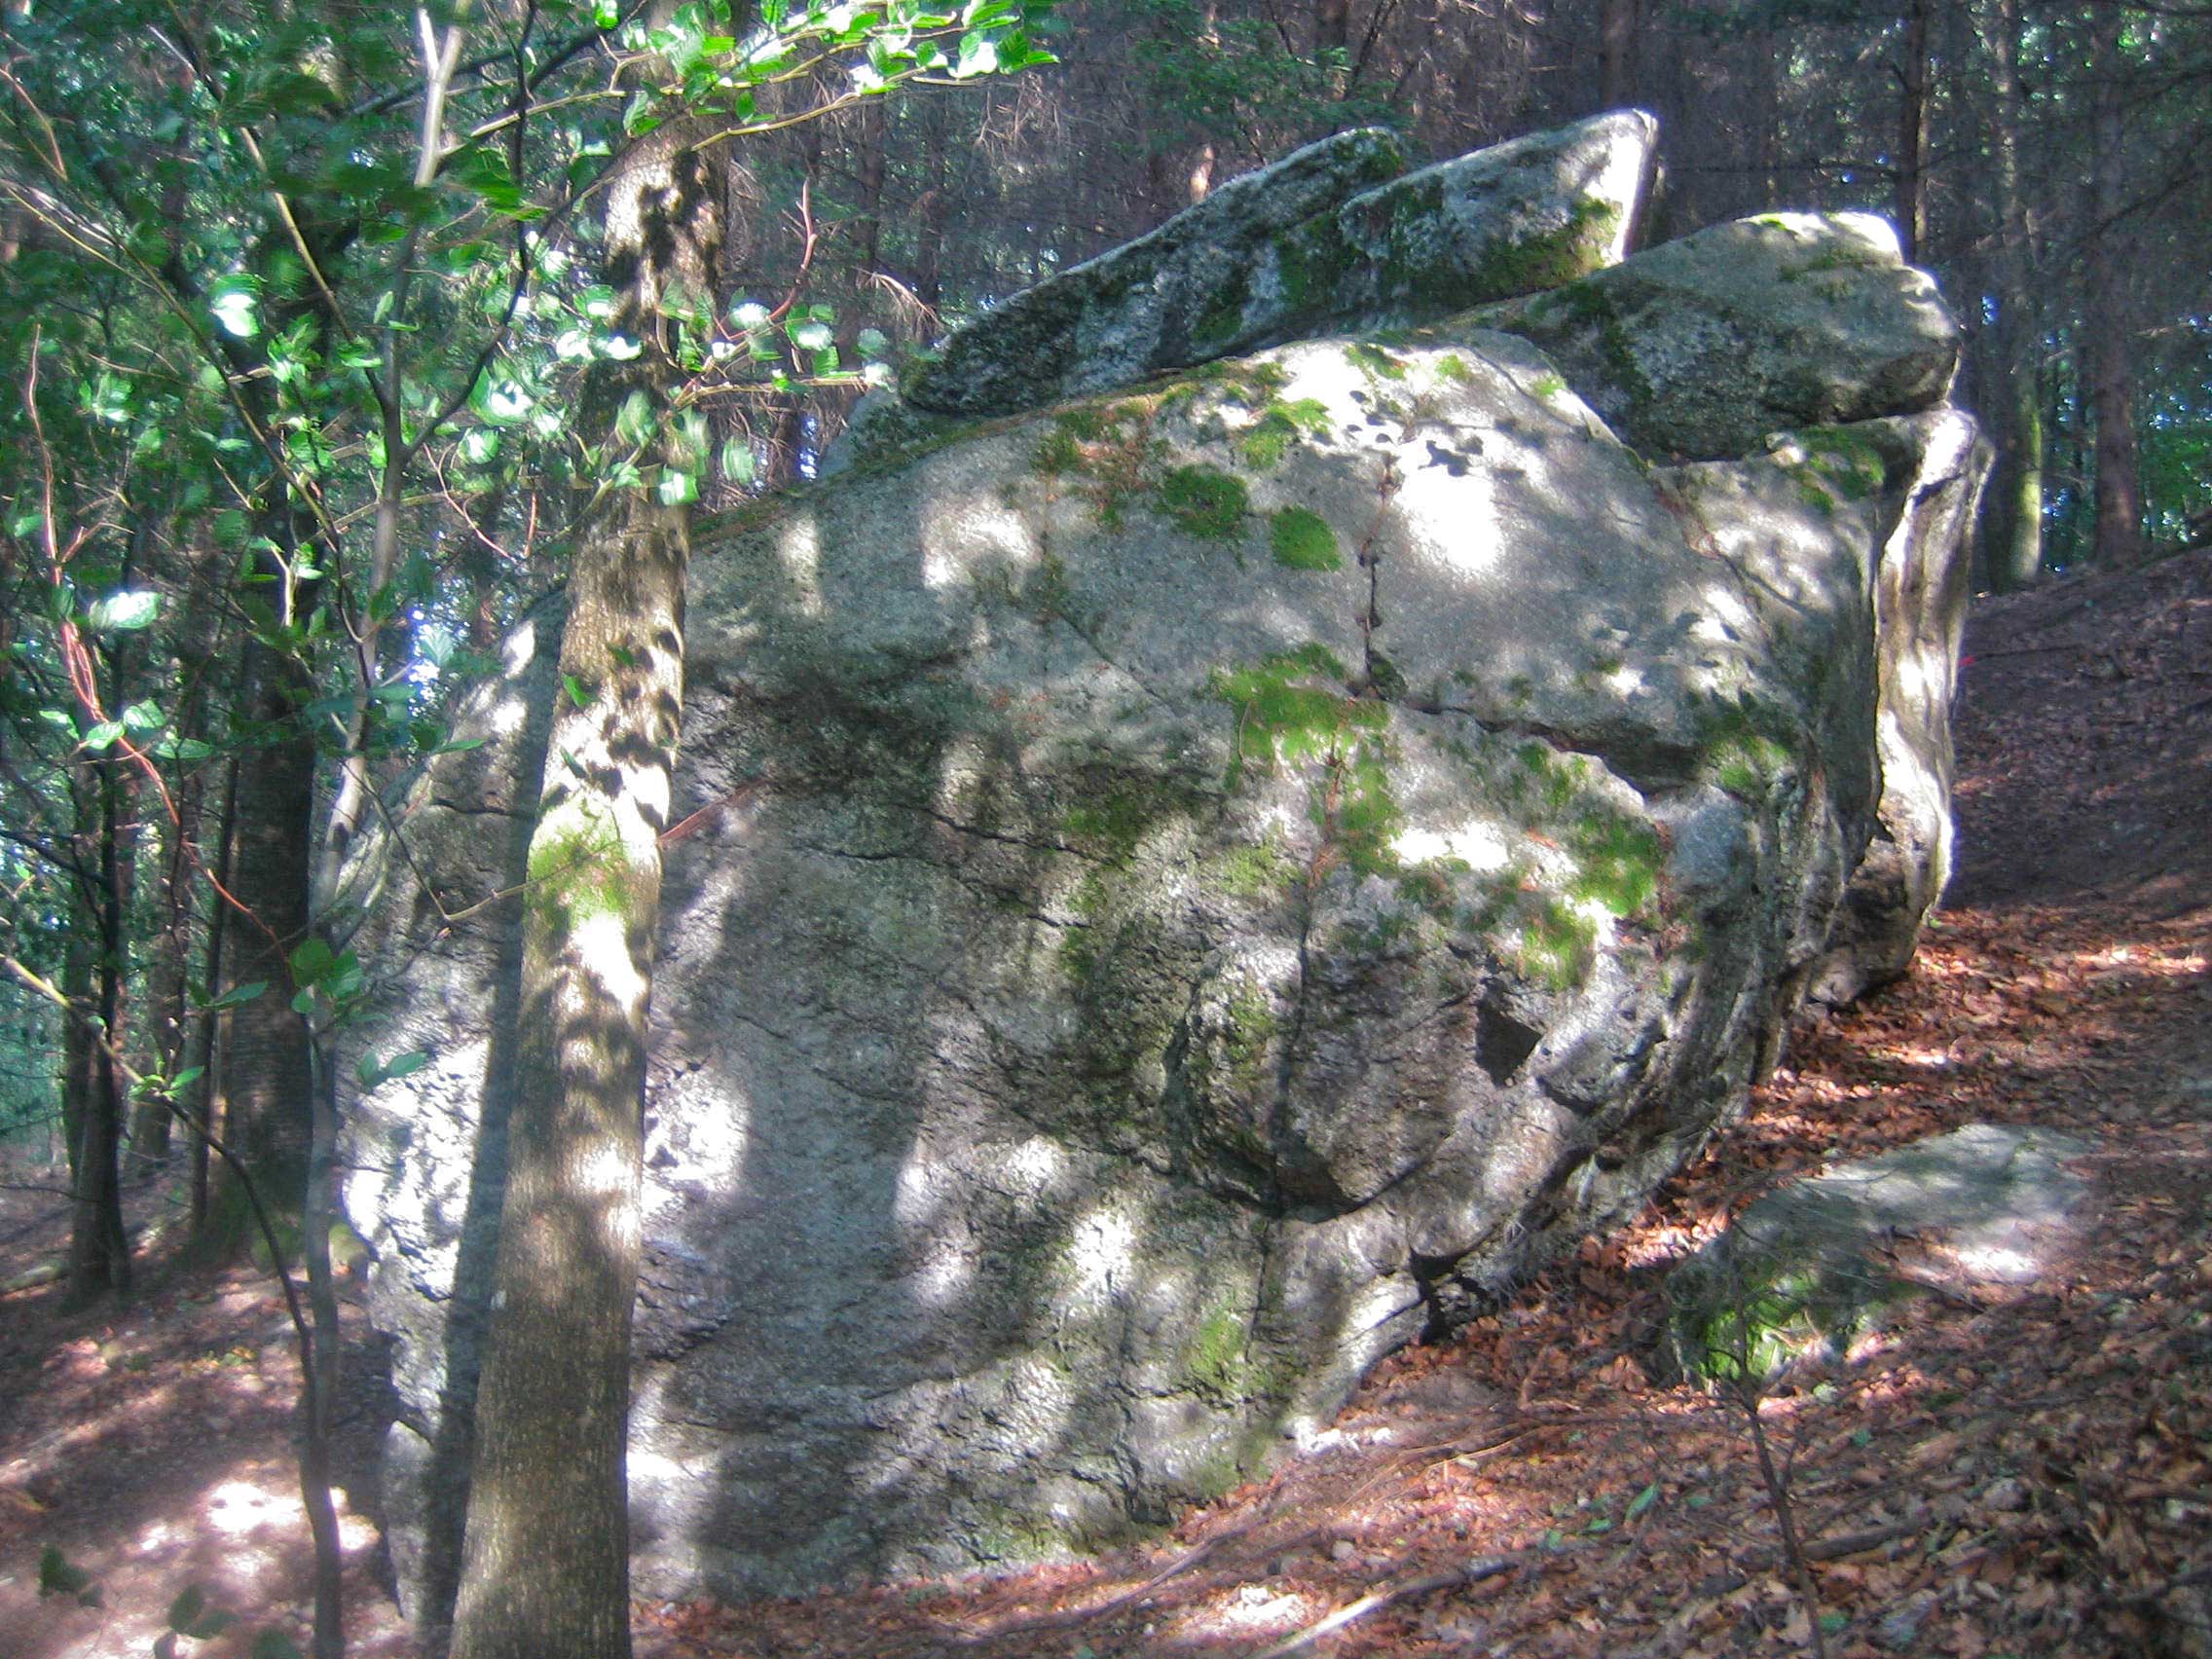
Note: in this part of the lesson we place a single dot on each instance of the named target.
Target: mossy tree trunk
(545, 1562)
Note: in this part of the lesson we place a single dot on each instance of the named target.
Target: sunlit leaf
(235, 302)
(122, 613)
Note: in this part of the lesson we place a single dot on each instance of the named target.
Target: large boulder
(1172, 895)
(1304, 247)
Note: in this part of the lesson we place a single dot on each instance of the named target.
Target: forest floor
(2011, 1470)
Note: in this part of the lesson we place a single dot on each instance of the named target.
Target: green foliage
(1207, 70)
(1293, 711)
(193, 1618)
(58, 1576)
(1292, 708)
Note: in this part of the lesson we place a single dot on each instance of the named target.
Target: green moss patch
(1217, 1363)
(1620, 861)
(1254, 872)
(1278, 427)
(1745, 745)
(1374, 361)
(1312, 261)
(1549, 259)
(1557, 942)
(1223, 318)
(1292, 707)
(1302, 540)
(1293, 711)
(1204, 502)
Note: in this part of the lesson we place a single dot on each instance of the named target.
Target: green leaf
(235, 302)
(144, 716)
(873, 343)
(678, 488)
(100, 736)
(312, 962)
(124, 612)
(738, 460)
(1644, 1500)
(634, 423)
(578, 694)
(373, 1071)
(237, 995)
(979, 56)
(57, 1577)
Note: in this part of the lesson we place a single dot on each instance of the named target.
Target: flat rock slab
(1813, 1265)
(1153, 304)
(1303, 248)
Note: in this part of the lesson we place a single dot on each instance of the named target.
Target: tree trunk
(80, 1077)
(100, 1250)
(209, 1045)
(2107, 310)
(266, 1065)
(1912, 134)
(546, 1560)
(1616, 54)
(2014, 532)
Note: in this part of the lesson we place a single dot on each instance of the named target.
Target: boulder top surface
(1330, 239)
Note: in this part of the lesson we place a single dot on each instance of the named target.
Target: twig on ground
(1473, 1572)
(1747, 1395)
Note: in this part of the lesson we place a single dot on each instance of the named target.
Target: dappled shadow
(148, 1443)
(1976, 1473)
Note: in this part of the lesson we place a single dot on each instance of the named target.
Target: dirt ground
(2012, 1470)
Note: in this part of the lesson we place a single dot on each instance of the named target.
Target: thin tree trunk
(100, 1250)
(1912, 134)
(79, 1076)
(2118, 538)
(1616, 54)
(545, 1562)
(214, 1022)
(2016, 551)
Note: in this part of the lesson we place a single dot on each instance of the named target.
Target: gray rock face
(1919, 609)
(1701, 347)
(1178, 894)
(1304, 247)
